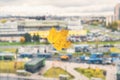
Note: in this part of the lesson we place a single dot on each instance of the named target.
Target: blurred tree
(36, 38)
(3, 20)
(22, 39)
(27, 37)
(114, 25)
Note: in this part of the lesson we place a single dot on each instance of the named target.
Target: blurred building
(92, 18)
(74, 24)
(13, 30)
(117, 12)
(40, 25)
(109, 19)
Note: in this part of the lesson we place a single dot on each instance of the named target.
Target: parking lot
(100, 34)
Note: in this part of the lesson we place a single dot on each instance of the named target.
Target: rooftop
(35, 61)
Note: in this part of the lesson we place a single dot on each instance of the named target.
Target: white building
(74, 24)
(117, 12)
(8, 27)
(109, 19)
(13, 30)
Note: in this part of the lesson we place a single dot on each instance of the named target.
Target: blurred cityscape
(26, 53)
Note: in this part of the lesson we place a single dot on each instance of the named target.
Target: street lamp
(97, 41)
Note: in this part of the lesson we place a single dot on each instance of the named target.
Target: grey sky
(59, 6)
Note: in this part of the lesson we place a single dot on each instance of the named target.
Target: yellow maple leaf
(57, 46)
(61, 35)
(64, 32)
(52, 34)
(58, 38)
(67, 44)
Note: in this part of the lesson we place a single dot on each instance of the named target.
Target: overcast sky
(57, 7)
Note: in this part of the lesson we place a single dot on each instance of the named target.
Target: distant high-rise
(117, 12)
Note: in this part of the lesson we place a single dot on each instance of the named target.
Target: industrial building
(13, 30)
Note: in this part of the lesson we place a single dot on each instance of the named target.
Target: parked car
(44, 55)
(95, 58)
(64, 57)
(107, 61)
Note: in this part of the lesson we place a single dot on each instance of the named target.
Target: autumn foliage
(22, 39)
(59, 38)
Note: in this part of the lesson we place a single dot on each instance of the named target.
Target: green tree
(27, 37)
(36, 38)
(114, 25)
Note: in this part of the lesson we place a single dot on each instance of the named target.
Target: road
(69, 66)
(111, 70)
(15, 77)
